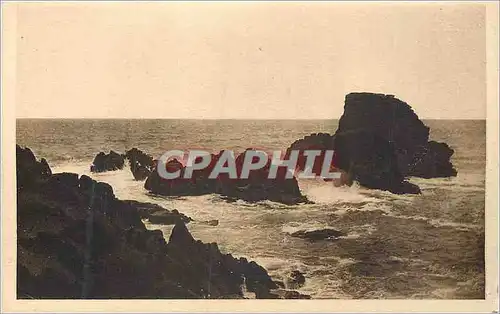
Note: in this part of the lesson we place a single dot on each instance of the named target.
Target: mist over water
(396, 246)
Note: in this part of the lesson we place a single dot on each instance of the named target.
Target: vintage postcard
(249, 156)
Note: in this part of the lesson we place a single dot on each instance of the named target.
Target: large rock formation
(257, 187)
(77, 240)
(394, 121)
(380, 142)
(107, 162)
(141, 164)
(371, 161)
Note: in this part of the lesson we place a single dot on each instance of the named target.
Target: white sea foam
(439, 222)
(260, 231)
(323, 192)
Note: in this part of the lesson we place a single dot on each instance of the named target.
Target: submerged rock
(213, 222)
(107, 162)
(316, 235)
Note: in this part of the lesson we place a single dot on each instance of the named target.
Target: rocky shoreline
(77, 240)
(380, 142)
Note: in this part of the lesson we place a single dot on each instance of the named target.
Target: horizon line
(218, 119)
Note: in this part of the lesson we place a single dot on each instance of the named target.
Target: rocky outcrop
(107, 162)
(371, 161)
(197, 185)
(29, 171)
(380, 141)
(141, 164)
(316, 235)
(156, 214)
(389, 119)
(77, 240)
(316, 141)
(394, 121)
(257, 187)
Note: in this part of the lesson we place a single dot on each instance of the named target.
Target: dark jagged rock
(179, 186)
(156, 214)
(215, 266)
(213, 222)
(315, 141)
(257, 187)
(168, 218)
(141, 164)
(372, 161)
(28, 170)
(387, 117)
(317, 235)
(77, 240)
(107, 162)
(380, 141)
(361, 156)
(394, 121)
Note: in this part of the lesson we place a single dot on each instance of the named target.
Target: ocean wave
(440, 222)
(325, 193)
(347, 208)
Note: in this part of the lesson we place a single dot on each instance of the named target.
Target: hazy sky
(247, 60)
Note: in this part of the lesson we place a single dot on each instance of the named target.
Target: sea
(428, 246)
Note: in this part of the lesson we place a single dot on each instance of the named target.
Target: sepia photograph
(285, 151)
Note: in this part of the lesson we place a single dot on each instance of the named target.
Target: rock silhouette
(257, 187)
(316, 235)
(380, 141)
(316, 141)
(29, 171)
(107, 162)
(371, 161)
(156, 214)
(394, 121)
(141, 164)
(77, 240)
